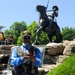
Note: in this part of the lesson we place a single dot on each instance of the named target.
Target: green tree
(43, 37)
(19, 41)
(7, 32)
(16, 29)
(1, 27)
(68, 33)
(31, 28)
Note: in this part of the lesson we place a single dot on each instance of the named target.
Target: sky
(25, 10)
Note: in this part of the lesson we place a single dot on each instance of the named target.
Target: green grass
(66, 68)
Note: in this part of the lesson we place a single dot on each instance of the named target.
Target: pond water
(42, 49)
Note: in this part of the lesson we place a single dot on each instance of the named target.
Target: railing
(5, 42)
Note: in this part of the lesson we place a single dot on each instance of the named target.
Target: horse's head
(41, 8)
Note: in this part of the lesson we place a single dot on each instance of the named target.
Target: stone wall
(5, 51)
(55, 54)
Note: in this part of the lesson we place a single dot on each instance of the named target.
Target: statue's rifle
(47, 5)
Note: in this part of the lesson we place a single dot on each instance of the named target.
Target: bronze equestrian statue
(48, 24)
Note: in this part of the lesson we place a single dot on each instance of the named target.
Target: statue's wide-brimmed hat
(55, 7)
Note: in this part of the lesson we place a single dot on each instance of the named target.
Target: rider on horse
(53, 13)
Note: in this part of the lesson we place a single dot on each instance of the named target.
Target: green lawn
(66, 68)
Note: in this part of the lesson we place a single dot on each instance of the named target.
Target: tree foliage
(7, 32)
(1, 27)
(31, 28)
(68, 33)
(19, 40)
(43, 37)
(15, 29)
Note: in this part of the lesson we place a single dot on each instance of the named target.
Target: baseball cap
(26, 34)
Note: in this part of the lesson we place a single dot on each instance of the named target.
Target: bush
(66, 68)
(68, 33)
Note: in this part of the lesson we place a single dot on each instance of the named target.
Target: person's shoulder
(16, 48)
(13, 47)
(36, 49)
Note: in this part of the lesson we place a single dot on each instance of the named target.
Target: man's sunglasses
(26, 37)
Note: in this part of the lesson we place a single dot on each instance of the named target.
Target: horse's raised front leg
(37, 35)
(50, 38)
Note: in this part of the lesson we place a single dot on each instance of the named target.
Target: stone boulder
(6, 47)
(55, 48)
(70, 48)
(5, 51)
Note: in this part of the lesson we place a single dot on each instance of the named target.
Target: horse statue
(47, 24)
